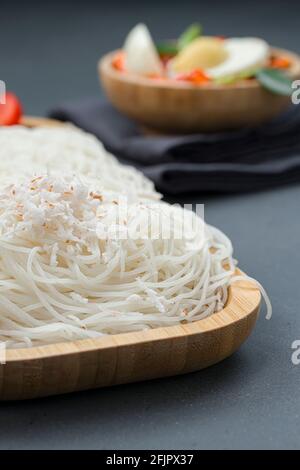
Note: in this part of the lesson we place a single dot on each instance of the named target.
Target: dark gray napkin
(243, 160)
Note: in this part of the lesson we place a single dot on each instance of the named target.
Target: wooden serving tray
(129, 357)
(35, 121)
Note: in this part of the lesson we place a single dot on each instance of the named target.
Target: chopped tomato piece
(11, 111)
(196, 76)
(118, 61)
(280, 62)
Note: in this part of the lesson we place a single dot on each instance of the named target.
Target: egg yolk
(202, 53)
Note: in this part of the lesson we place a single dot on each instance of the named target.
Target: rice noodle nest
(77, 262)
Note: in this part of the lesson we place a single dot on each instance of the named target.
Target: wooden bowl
(129, 357)
(178, 107)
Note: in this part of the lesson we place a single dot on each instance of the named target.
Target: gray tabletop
(251, 400)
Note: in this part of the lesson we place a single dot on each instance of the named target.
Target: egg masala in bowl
(198, 83)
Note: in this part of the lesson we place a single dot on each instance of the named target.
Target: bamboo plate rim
(36, 121)
(244, 295)
(105, 66)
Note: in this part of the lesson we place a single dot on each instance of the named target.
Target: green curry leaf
(275, 81)
(191, 33)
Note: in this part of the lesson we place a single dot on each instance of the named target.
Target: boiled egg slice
(141, 56)
(202, 53)
(243, 55)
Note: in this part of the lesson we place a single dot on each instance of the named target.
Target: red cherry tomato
(11, 111)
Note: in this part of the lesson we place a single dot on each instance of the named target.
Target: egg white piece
(244, 54)
(141, 56)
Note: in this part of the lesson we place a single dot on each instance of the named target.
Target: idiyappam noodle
(69, 149)
(73, 265)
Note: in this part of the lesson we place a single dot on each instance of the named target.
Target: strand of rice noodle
(69, 149)
(63, 276)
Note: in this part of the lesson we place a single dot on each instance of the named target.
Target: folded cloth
(242, 160)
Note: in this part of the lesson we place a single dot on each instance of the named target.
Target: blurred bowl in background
(170, 106)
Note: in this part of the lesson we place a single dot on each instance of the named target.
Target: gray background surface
(48, 53)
